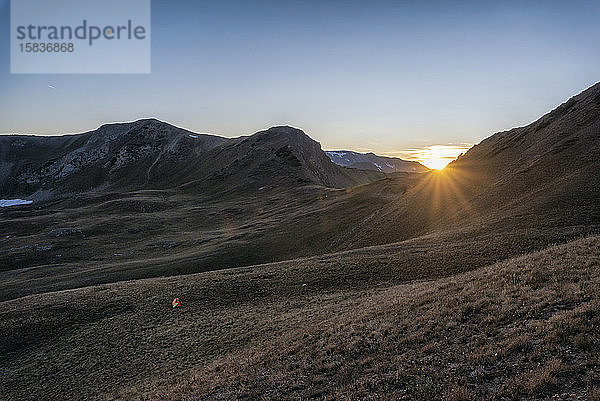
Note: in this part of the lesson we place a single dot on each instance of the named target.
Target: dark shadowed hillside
(275, 157)
(123, 155)
(541, 175)
(550, 164)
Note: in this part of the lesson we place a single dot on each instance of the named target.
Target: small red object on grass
(176, 303)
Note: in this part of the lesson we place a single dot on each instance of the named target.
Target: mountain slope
(544, 174)
(277, 156)
(558, 153)
(541, 175)
(125, 155)
(523, 329)
(261, 198)
(371, 161)
(153, 154)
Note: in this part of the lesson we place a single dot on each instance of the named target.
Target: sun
(436, 157)
(435, 164)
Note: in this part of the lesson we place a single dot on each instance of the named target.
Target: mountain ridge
(371, 161)
(150, 153)
(523, 177)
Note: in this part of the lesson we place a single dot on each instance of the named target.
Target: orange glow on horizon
(434, 164)
(435, 157)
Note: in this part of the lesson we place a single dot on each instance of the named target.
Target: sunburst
(435, 156)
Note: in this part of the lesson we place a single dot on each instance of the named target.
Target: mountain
(153, 154)
(543, 175)
(541, 170)
(275, 195)
(164, 201)
(124, 155)
(277, 156)
(371, 161)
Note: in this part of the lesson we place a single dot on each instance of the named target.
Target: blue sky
(385, 76)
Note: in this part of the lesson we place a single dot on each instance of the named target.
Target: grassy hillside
(121, 236)
(526, 328)
(342, 326)
(160, 233)
(542, 175)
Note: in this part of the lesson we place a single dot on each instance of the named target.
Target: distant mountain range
(153, 154)
(371, 161)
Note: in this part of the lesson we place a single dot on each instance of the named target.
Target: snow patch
(14, 202)
(378, 166)
(390, 165)
(193, 136)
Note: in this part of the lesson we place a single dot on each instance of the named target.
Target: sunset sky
(392, 77)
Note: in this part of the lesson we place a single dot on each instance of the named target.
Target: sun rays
(445, 195)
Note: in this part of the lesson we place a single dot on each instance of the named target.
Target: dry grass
(152, 233)
(475, 336)
(146, 234)
(499, 332)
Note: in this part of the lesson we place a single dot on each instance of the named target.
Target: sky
(393, 77)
